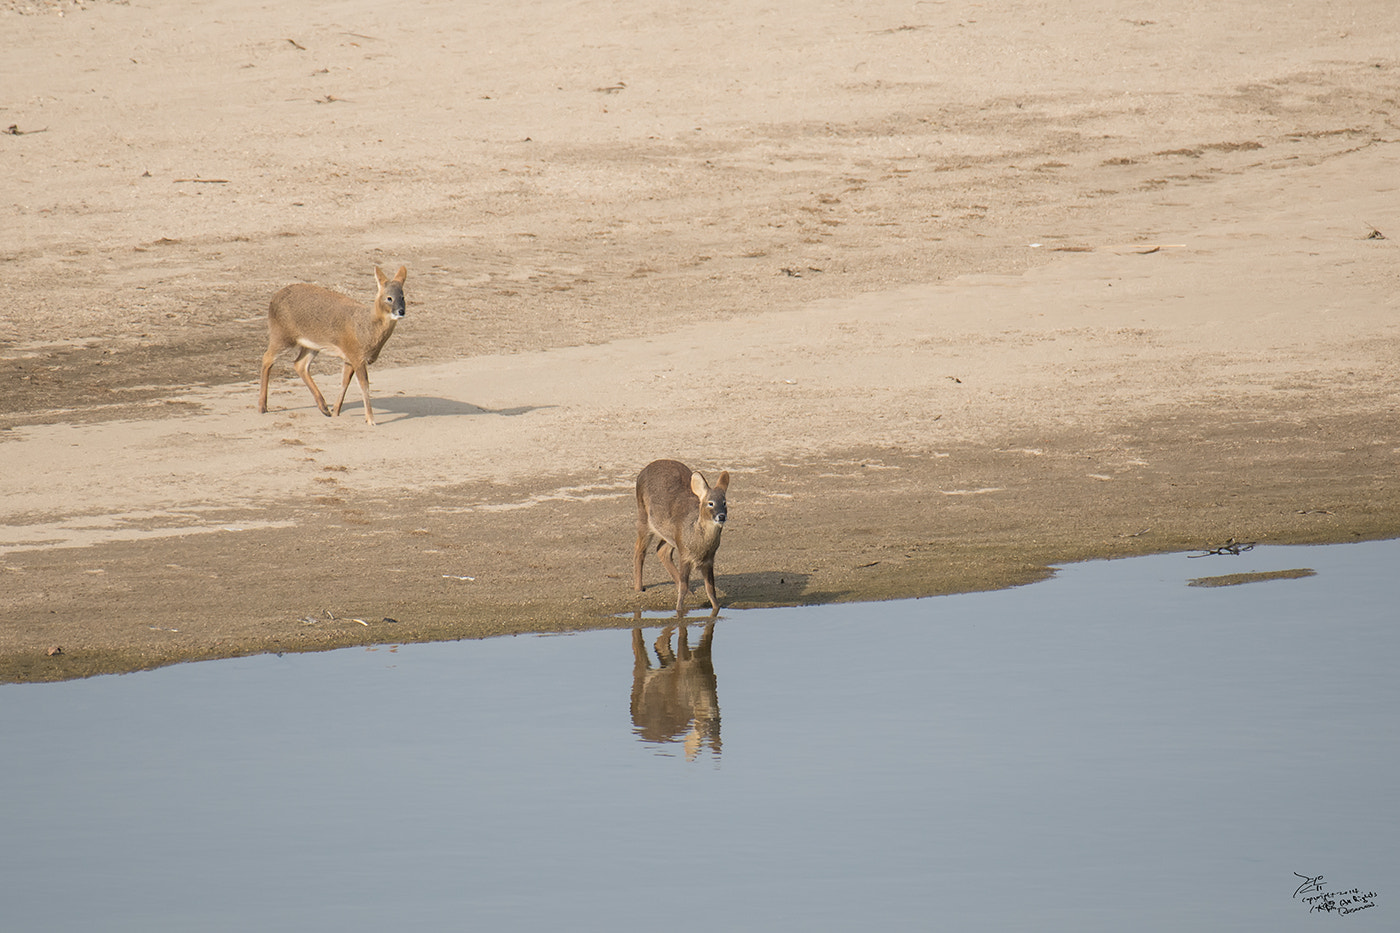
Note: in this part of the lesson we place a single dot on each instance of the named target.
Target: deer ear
(723, 482)
(402, 274)
(698, 485)
(379, 275)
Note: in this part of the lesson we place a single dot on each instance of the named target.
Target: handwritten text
(1342, 903)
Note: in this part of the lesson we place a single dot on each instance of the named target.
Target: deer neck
(381, 327)
(705, 535)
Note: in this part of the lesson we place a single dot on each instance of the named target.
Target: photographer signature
(1343, 902)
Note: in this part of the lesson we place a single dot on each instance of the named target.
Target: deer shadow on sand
(771, 588)
(406, 407)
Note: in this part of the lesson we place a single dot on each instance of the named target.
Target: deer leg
(268, 358)
(639, 556)
(667, 554)
(302, 364)
(682, 586)
(708, 572)
(662, 646)
(346, 371)
(362, 374)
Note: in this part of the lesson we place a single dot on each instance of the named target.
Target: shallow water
(1110, 749)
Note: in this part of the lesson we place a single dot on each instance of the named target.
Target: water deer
(678, 699)
(682, 515)
(313, 319)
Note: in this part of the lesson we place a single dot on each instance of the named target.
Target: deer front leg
(362, 374)
(708, 573)
(346, 371)
(682, 586)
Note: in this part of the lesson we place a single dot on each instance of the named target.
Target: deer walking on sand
(683, 516)
(313, 319)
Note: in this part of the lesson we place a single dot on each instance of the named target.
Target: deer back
(316, 316)
(663, 492)
(682, 508)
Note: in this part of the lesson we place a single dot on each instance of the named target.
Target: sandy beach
(956, 292)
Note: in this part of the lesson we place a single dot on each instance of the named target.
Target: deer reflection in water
(677, 700)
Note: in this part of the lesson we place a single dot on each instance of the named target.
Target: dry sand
(955, 291)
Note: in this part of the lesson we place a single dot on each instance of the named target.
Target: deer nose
(720, 516)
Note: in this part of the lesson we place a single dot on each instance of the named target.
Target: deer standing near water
(682, 515)
(313, 319)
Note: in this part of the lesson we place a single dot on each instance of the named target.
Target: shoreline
(134, 608)
(951, 298)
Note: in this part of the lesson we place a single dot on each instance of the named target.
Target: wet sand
(955, 294)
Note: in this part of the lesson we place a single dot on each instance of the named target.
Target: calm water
(1108, 750)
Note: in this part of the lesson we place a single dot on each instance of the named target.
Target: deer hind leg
(681, 575)
(644, 540)
(268, 359)
(276, 344)
(666, 551)
(302, 364)
(662, 646)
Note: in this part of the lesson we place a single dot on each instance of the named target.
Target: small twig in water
(1232, 547)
